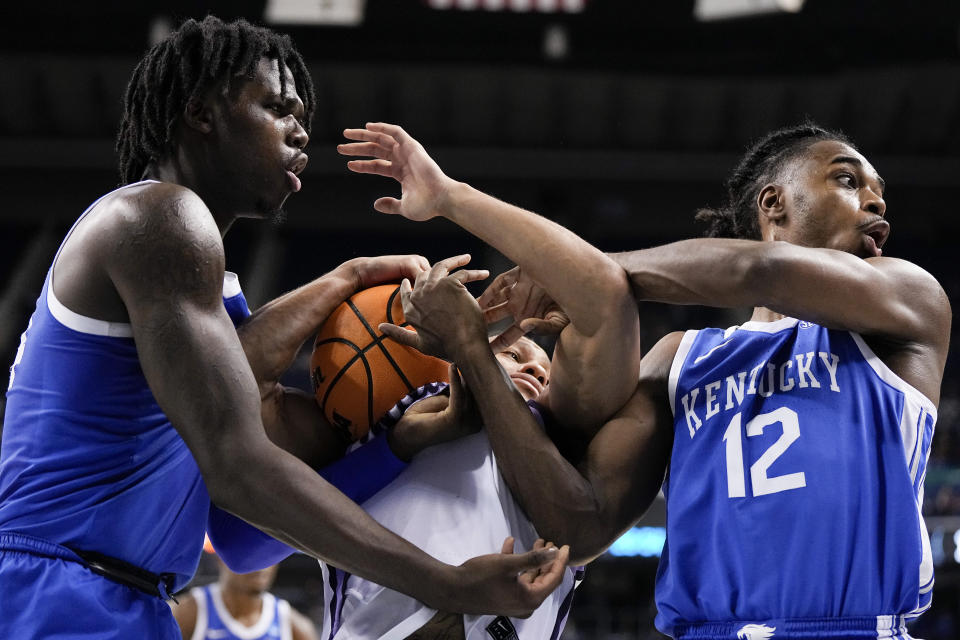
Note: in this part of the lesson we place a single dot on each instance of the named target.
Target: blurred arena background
(615, 118)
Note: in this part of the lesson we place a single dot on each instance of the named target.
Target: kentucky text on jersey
(807, 370)
(797, 510)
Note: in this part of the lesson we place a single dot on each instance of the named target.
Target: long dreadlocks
(194, 58)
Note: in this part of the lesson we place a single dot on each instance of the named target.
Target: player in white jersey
(450, 501)
(800, 237)
(577, 400)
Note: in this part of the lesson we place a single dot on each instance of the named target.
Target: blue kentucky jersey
(214, 621)
(88, 459)
(794, 483)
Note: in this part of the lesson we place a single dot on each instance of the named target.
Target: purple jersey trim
(338, 586)
(564, 612)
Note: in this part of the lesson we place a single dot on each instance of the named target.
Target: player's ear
(198, 115)
(771, 203)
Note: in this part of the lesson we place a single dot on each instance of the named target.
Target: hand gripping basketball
(358, 373)
(441, 309)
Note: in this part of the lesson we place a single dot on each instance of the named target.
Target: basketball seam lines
(343, 370)
(379, 342)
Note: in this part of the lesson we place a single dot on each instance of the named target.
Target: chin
(274, 212)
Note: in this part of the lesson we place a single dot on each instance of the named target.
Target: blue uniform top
(214, 621)
(88, 459)
(794, 485)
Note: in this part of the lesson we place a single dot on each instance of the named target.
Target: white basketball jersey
(453, 503)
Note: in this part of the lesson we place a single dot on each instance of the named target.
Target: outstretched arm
(885, 298)
(199, 374)
(603, 334)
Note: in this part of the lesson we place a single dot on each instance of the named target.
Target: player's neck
(244, 607)
(762, 314)
(174, 172)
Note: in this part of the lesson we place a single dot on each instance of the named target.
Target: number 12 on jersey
(761, 483)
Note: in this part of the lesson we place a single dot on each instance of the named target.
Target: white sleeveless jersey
(453, 503)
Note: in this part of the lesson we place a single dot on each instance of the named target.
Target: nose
(537, 371)
(298, 136)
(874, 203)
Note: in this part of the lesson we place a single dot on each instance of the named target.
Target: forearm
(711, 272)
(580, 278)
(273, 334)
(724, 272)
(558, 500)
(359, 475)
(875, 296)
(344, 535)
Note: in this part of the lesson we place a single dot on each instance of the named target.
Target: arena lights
(518, 6)
(343, 13)
(945, 541)
(640, 541)
(707, 10)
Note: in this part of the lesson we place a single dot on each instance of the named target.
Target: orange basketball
(358, 373)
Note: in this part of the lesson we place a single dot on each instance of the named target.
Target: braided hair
(194, 58)
(761, 164)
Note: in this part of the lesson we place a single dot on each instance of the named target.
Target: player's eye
(514, 355)
(847, 180)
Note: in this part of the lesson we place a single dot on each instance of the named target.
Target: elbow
(588, 544)
(613, 292)
(585, 553)
(590, 535)
(613, 282)
(579, 524)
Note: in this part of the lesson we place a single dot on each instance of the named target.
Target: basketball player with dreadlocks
(132, 403)
(797, 442)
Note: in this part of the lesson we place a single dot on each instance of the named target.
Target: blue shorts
(46, 592)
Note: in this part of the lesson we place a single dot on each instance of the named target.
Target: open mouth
(876, 234)
(295, 169)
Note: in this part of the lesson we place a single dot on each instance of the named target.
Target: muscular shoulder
(165, 235)
(161, 216)
(922, 293)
